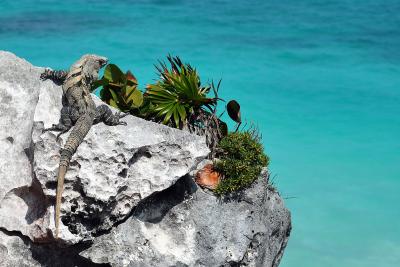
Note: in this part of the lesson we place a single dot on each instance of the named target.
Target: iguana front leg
(57, 76)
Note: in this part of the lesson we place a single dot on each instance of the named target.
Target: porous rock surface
(186, 226)
(129, 197)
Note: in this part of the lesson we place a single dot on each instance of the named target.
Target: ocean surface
(321, 79)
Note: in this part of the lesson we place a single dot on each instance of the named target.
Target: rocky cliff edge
(129, 197)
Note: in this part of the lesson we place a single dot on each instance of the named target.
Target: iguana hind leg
(67, 119)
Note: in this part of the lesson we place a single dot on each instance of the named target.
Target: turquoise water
(321, 79)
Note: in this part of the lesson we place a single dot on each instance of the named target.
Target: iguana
(79, 112)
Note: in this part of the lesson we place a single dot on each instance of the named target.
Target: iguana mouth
(103, 62)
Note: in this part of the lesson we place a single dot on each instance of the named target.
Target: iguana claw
(121, 115)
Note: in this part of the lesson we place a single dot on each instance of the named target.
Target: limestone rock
(22, 203)
(112, 171)
(186, 226)
(129, 198)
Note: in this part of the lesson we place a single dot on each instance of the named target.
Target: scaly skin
(79, 112)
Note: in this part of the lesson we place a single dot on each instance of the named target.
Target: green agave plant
(119, 89)
(178, 93)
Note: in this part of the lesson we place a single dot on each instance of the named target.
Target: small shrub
(241, 159)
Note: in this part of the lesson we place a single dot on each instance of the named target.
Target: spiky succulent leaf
(178, 92)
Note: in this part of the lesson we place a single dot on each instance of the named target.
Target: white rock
(21, 200)
(112, 171)
(187, 226)
(127, 192)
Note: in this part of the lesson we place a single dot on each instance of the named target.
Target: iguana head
(91, 64)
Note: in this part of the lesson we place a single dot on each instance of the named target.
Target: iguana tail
(60, 185)
(78, 133)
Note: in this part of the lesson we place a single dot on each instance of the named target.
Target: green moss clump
(240, 161)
